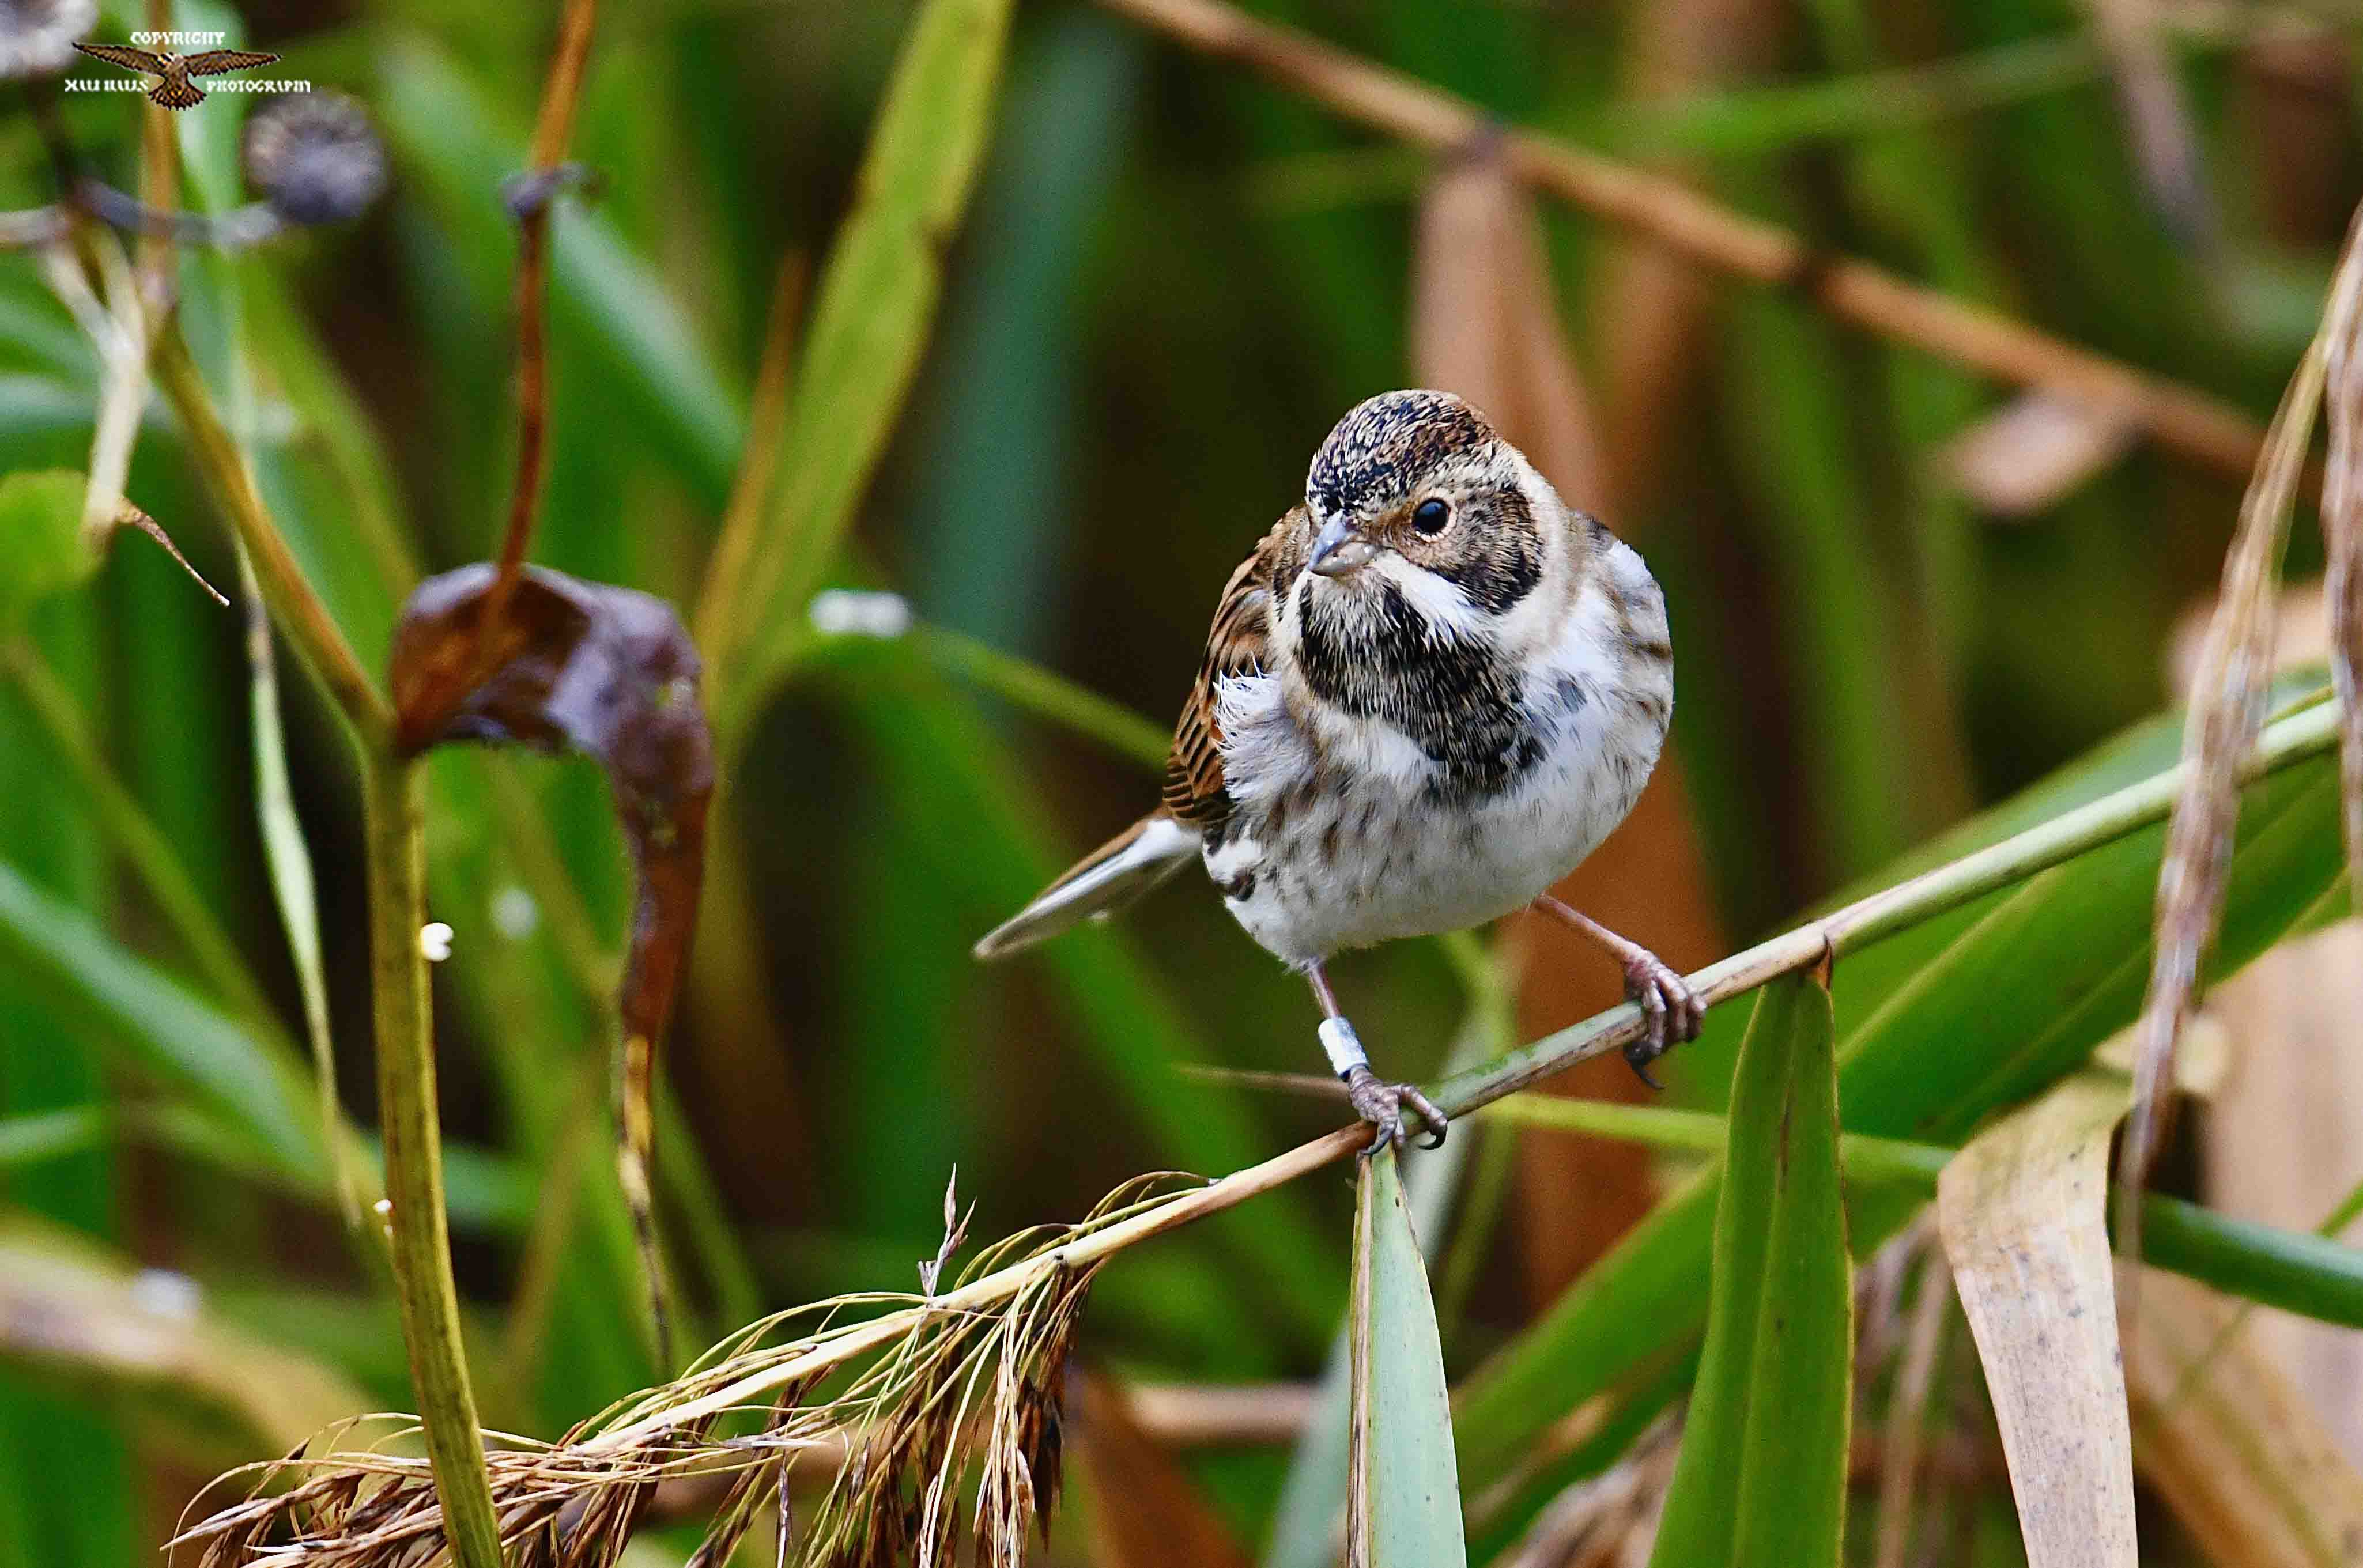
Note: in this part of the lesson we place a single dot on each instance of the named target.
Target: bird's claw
(1672, 1013)
(1383, 1104)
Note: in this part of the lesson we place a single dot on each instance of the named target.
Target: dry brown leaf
(1902, 1441)
(1144, 1511)
(2342, 532)
(1220, 1414)
(2034, 451)
(2295, 87)
(1484, 319)
(2283, 1139)
(2285, 1122)
(2231, 1447)
(1609, 1520)
(2225, 712)
(607, 672)
(1655, 309)
(2021, 1212)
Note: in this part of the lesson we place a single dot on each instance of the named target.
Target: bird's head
(1414, 493)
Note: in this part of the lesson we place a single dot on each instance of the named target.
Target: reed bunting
(1430, 692)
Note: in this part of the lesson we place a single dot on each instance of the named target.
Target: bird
(175, 90)
(1427, 695)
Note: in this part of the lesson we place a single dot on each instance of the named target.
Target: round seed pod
(314, 157)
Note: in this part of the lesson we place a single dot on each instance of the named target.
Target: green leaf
(1403, 1497)
(1761, 1480)
(871, 320)
(2309, 1274)
(2012, 1003)
(171, 1031)
(42, 539)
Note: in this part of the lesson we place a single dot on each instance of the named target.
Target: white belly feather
(1309, 871)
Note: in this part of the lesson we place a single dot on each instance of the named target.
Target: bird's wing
(1239, 643)
(214, 61)
(125, 56)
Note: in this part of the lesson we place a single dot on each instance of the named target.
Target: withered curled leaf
(610, 673)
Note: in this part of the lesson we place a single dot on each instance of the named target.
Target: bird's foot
(1671, 1012)
(1383, 1105)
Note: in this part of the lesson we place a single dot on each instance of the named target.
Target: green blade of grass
(1761, 1480)
(1313, 1497)
(252, 1086)
(1402, 1496)
(289, 860)
(871, 315)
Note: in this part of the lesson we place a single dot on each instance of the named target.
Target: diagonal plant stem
(2304, 736)
(2301, 735)
(1044, 692)
(767, 419)
(298, 610)
(2300, 1272)
(2191, 422)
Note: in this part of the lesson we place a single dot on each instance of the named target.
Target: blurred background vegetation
(1171, 279)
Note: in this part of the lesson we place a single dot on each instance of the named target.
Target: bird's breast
(1404, 814)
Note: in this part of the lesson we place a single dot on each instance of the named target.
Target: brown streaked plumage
(173, 89)
(1237, 645)
(1426, 694)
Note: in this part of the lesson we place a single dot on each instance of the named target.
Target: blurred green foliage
(1170, 280)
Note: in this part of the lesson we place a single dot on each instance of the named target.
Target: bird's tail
(1101, 883)
(177, 94)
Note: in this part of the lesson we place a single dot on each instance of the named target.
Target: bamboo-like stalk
(2301, 735)
(394, 799)
(2299, 1272)
(1664, 210)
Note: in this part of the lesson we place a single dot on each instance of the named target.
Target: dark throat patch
(1456, 697)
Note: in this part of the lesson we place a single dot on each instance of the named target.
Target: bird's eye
(1431, 516)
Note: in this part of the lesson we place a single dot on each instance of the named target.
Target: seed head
(314, 158)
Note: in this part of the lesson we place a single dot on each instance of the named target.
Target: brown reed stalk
(1664, 210)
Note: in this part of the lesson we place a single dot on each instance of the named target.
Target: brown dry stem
(2202, 426)
(2226, 714)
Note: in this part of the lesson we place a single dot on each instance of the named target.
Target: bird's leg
(1673, 1011)
(1375, 1101)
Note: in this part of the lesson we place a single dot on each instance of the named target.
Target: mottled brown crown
(1387, 446)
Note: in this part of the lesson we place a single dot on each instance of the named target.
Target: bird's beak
(1339, 549)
